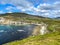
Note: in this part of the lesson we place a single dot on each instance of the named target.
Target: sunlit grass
(48, 39)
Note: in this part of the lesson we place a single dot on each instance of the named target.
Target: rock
(40, 29)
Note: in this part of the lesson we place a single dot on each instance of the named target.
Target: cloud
(43, 9)
(21, 8)
(49, 10)
(23, 3)
(1, 12)
(9, 8)
(46, 6)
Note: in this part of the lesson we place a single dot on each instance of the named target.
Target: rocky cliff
(40, 29)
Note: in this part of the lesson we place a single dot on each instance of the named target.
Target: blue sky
(46, 8)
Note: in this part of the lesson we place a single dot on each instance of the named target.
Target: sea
(10, 33)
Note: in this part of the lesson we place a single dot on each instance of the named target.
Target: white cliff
(40, 29)
(43, 29)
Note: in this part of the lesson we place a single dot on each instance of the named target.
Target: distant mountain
(21, 14)
(58, 18)
(24, 17)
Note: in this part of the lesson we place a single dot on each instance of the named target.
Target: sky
(46, 8)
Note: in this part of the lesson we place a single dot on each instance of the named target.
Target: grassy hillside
(48, 39)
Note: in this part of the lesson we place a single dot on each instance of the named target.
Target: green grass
(48, 39)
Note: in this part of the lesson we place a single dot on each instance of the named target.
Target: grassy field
(48, 39)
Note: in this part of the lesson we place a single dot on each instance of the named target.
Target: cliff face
(40, 29)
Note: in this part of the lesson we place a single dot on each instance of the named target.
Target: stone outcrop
(40, 29)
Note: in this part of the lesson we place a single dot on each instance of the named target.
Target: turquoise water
(10, 33)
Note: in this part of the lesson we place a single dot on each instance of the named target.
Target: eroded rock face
(40, 29)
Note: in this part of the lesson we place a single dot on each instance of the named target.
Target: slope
(48, 39)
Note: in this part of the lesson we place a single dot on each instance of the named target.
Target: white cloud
(1, 12)
(10, 8)
(9, 12)
(21, 8)
(44, 9)
(23, 3)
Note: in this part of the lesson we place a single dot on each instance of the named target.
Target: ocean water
(10, 33)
